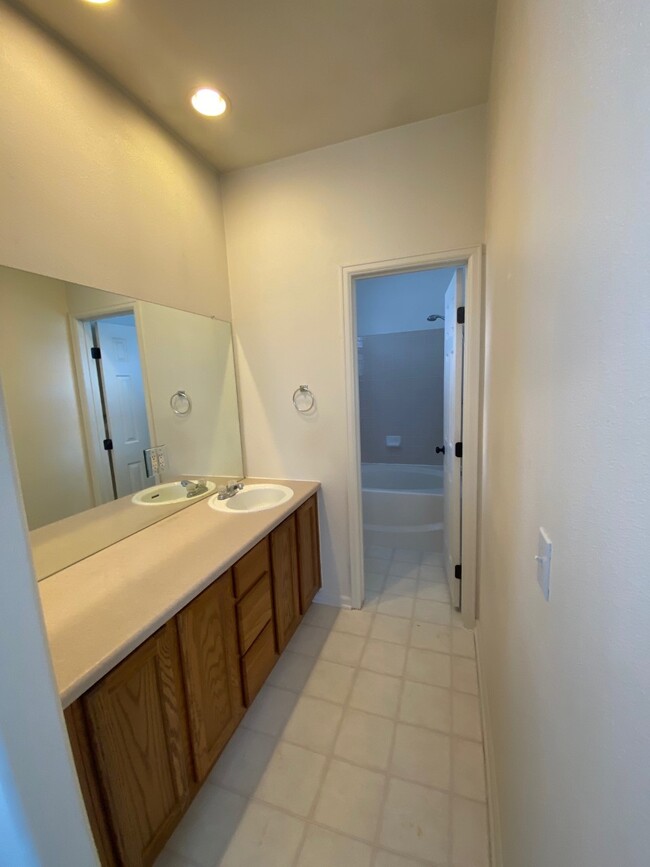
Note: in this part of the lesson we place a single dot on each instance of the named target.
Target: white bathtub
(402, 506)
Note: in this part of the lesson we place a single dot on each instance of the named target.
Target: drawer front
(258, 662)
(251, 567)
(254, 612)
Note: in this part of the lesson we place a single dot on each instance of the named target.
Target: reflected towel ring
(180, 402)
(303, 399)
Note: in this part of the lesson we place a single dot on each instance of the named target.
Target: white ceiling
(300, 74)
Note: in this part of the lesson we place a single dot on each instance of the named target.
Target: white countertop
(98, 610)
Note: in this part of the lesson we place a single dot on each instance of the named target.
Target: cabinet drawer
(253, 613)
(258, 662)
(251, 567)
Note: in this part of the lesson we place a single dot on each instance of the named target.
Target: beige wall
(290, 226)
(182, 351)
(567, 431)
(93, 192)
(38, 377)
(42, 820)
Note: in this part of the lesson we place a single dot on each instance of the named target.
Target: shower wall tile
(401, 393)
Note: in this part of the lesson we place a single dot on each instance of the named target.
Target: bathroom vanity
(159, 645)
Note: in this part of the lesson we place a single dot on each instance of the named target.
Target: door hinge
(460, 315)
(95, 352)
(458, 572)
(108, 445)
(459, 450)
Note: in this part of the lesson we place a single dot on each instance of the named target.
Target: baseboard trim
(323, 597)
(494, 820)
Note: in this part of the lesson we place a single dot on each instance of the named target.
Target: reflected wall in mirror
(91, 381)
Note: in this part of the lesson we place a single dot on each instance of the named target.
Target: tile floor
(364, 746)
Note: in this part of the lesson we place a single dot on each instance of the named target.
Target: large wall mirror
(121, 411)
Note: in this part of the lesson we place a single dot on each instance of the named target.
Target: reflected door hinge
(95, 352)
(458, 572)
(460, 315)
(459, 450)
(108, 445)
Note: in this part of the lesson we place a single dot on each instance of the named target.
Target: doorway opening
(413, 333)
(113, 390)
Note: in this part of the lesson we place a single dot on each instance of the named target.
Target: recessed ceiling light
(209, 102)
(98, 2)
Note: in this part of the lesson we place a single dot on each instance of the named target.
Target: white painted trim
(472, 259)
(472, 448)
(355, 518)
(323, 597)
(494, 816)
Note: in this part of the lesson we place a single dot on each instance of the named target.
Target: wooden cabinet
(252, 566)
(286, 593)
(146, 736)
(84, 760)
(308, 552)
(255, 622)
(258, 662)
(210, 662)
(137, 730)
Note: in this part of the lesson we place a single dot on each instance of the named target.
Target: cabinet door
(308, 552)
(138, 730)
(286, 593)
(209, 652)
(82, 754)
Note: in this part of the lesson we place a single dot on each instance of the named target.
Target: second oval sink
(253, 498)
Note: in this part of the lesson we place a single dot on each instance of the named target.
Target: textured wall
(42, 820)
(38, 379)
(93, 191)
(567, 396)
(290, 226)
(401, 379)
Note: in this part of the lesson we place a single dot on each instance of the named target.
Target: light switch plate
(543, 558)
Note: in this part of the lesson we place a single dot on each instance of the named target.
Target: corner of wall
(494, 818)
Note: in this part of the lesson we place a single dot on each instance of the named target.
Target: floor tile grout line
(330, 758)
(345, 706)
(389, 765)
(317, 657)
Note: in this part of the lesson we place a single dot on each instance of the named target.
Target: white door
(125, 404)
(453, 420)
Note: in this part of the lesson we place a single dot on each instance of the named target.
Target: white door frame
(472, 259)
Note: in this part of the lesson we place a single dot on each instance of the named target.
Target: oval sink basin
(254, 498)
(167, 494)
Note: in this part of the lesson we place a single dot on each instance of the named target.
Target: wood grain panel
(209, 651)
(254, 611)
(251, 567)
(137, 724)
(258, 662)
(284, 567)
(309, 568)
(88, 783)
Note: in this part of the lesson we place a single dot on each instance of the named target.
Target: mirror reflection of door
(113, 343)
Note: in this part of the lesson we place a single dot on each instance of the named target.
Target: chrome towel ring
(181, 403)
(303, 399)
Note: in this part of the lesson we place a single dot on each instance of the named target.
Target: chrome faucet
(195, 489)
(229, 490)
